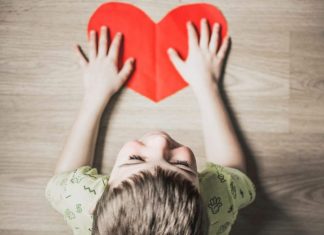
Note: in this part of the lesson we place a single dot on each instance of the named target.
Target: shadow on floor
(255, 218)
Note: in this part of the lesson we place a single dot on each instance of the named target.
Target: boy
(154, 186)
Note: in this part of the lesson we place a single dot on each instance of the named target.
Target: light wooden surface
(274, 86)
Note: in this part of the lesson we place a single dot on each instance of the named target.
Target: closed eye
(177, 162)
(136, 157)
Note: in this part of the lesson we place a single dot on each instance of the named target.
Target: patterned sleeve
(240, 187)
(225, 191)
(73, 193)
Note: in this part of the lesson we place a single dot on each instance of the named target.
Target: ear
(92, 207)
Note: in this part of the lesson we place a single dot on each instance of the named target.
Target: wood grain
(274, 90)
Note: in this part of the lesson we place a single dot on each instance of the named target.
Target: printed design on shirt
(76, 178)
(89, 189)
(234, 176)
(233, 189)
(215, 203)
(242, 193)
(221, 177)
(223, 227)
(250, 195)
(92, 176)
(78, 208)
(69, 214)
(104, 182)
(64, 184)
(230, 209)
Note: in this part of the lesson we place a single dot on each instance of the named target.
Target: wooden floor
(274, 87)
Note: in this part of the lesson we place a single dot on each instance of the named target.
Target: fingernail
(169, 50)
(132, 60)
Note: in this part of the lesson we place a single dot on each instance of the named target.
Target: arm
(202, 70)
(101, 80)
(80, 144)
(221, 143)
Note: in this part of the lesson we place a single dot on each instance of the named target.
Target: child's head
(154, 149)
(154, 197)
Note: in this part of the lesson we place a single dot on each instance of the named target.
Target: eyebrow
(136, 163)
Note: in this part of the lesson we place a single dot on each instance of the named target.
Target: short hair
(164, 203)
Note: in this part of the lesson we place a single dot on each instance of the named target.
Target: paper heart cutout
(154, 76)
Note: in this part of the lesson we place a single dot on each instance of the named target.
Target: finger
(213, 44)
(92, 45)
(114, 47)
(192, 35)
(82, 58)
(103, 42)
(175, 59)
(126, 70)
(223, 49)
(204, 34)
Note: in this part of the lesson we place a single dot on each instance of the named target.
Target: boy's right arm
(202, 70)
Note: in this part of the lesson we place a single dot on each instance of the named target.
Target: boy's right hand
(203, 65)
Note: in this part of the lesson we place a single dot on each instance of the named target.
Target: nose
(161, 144)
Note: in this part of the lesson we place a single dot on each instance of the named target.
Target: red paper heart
(154, 76)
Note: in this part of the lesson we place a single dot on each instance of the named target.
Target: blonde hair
(146, 203)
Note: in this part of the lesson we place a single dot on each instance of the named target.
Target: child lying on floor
(154, 186)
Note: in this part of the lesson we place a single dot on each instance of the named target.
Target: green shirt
(225, 191)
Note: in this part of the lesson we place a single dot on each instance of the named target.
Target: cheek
(130, 147)
(185, 153)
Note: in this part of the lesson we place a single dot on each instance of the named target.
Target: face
(155, 148)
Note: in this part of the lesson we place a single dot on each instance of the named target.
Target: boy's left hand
(101, 76)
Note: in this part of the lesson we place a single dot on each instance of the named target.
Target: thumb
(126, 70)
(175, 59)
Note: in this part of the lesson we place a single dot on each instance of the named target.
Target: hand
(203, 65)
(101, 76)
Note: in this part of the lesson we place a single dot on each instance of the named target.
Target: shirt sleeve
(73, 193)
(240, 187)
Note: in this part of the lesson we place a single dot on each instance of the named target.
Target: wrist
(93, 105)
(206, 92)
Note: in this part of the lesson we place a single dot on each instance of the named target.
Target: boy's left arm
(101, 80)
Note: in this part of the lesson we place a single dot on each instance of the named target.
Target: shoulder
(224, 190)
(214, 176)
(74, 193)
